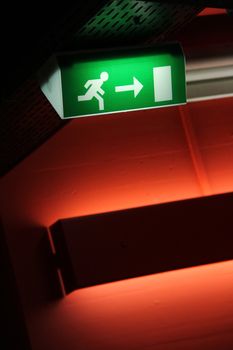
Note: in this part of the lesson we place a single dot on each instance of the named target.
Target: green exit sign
(94, 83)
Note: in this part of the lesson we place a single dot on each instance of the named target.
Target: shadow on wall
(42, 284)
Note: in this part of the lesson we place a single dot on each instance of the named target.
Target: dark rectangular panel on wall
(113, 246)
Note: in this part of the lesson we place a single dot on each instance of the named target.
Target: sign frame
(64, 71)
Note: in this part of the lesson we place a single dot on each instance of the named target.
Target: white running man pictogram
(95, 90)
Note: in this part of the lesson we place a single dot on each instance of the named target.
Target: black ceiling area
(32, 33)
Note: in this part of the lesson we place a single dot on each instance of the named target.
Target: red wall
(100, 164)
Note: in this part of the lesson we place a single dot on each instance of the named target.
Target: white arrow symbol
(136, 87)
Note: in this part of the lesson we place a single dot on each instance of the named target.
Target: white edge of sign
(51, 85)
(128, 110)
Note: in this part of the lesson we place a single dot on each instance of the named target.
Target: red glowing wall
(106, 163)
(101, 164)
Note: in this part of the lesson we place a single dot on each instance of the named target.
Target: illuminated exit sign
(94, 83)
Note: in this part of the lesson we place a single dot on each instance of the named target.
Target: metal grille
(131, 21)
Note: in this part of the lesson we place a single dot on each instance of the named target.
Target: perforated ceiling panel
(125, 21)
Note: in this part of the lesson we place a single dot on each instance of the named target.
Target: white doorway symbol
(95, 90)
(162, 83)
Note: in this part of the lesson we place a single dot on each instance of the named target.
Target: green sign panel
(84, 84)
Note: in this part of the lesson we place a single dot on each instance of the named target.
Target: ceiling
(27, 119)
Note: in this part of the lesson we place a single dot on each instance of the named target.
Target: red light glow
(209, 11)
(114, 162)
(185, 309)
